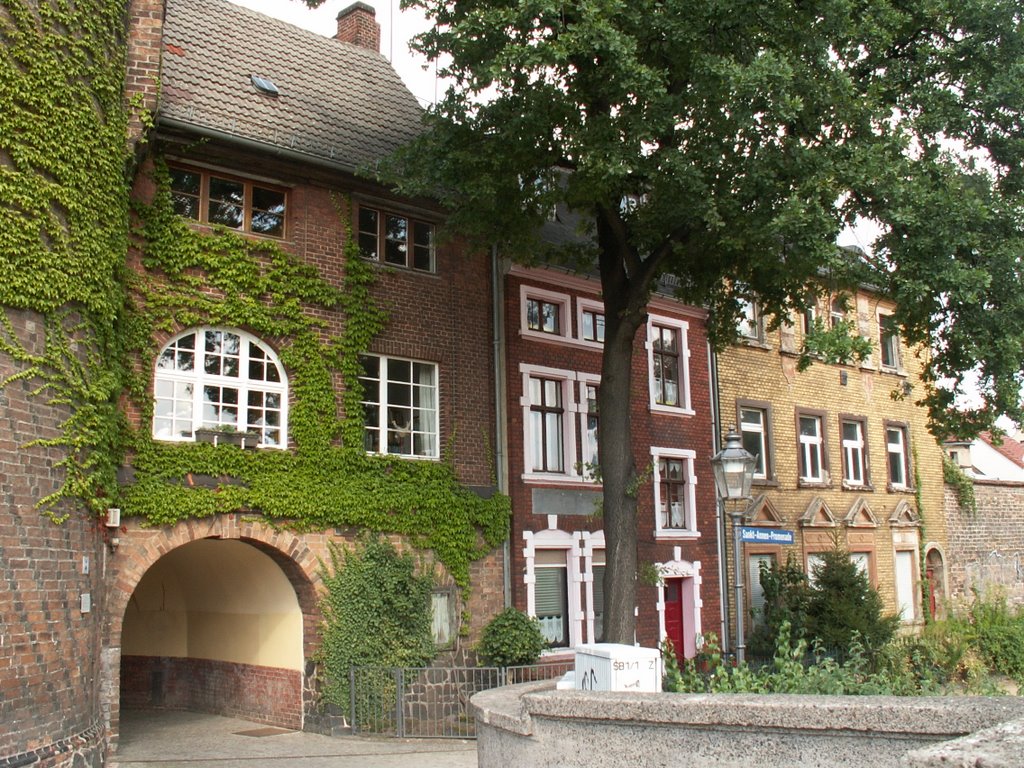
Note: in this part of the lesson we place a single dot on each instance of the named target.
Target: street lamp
(734, 470)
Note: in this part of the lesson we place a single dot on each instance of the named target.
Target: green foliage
(227, 279)
(839, 343)
(997, 633)
(64, 224)
(729, 157)
(376, 612)
(839, 608)
(511, 639)
(961, 484)
(842, 605)
(786, 594)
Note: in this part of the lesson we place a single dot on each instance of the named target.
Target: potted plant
(227, 434)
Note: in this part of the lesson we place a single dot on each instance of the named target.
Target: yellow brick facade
(899, 531)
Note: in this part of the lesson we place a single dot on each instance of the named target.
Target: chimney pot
(358, 25)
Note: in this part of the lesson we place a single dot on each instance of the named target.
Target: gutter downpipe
(716, 442)
(500, 434)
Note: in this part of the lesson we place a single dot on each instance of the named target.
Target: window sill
(893, 371)
(672, 410)
(758, 343)
(556, 338)
(666, 535)
(803, 483)
(859, 488)
(765, 482)
(899, 488)
(574, 480)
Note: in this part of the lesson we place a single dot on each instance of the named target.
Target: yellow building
(843, 454)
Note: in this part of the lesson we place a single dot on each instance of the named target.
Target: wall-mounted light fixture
(114, 525)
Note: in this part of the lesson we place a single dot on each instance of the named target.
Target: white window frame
(592, 544)
(762, 431)
(682, 328)
(809, 443)
(594, 307)
(587, 456)
(382, 406)
(198, 378)
(903, 454)
(689, 529)
(892, 343)
(749, 325)
(553, 539)
(854, 453)
(561, 300)
(570, 413)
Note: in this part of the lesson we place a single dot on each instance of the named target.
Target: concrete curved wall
(536, 726)
(50, 661)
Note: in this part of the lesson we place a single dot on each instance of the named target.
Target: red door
(674, 616)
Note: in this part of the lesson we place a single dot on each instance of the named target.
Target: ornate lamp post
(734, 469)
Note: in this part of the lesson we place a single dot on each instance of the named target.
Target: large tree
(727, 143)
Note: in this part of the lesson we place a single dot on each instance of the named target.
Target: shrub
(842, 606)
(786, 593)
(998, 634)
(376, 612)
(511, 639)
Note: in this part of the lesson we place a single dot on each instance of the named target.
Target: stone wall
(536, 726)
(986, 549)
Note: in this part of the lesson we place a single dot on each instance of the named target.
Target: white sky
(396, 27)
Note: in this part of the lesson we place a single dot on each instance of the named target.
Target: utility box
(615, 667)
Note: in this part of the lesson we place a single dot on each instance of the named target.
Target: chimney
(358, 25)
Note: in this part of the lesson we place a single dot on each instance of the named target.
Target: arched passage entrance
(219, 625)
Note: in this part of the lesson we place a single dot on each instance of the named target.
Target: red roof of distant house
(1010, 448)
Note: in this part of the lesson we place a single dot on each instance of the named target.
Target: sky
(396, 27)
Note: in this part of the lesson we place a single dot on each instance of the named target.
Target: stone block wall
(986, 548)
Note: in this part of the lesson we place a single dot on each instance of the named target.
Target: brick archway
(298, 556)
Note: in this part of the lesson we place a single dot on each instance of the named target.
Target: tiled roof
(1010, 448)
(338, 102)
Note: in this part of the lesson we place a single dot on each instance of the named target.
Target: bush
(376, 612)
(786, 593)
(842, 606)
(998, 634)
(511, 639)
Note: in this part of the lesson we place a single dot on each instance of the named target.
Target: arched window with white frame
(220, 378)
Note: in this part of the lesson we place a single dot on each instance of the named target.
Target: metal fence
(429, 702)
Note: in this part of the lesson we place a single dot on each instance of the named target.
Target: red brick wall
(49, 649)
(649, 429)
(261, 694)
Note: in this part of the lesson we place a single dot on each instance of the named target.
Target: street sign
(765, 536)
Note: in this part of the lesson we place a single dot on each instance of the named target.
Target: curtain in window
(551, 601)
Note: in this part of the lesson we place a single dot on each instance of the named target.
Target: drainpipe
(716, 441)
(500, 423)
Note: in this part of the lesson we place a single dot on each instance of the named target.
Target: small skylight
(265, 85)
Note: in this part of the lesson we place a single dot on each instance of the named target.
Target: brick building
(262, 128)
(554, 326)
(843, 453)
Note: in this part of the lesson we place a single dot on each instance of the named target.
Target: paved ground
(190, 739)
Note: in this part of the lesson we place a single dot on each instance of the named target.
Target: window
(395, 239)
(597, 593)
(749, 324)
(399, 406)
(674, 493)
(854, 452)
(888, 341)
(815, 562)
(592, 326)
(543, 316)
(211, 377)
(863, 562)
(754, 431)
(837, 311)
(234, 203)
(669, 361)
(442, 611)
(589, 422)
(896, 450)
(811, 440)
(754, 564)
(551, 596)
(906, 594)
(547, 425)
